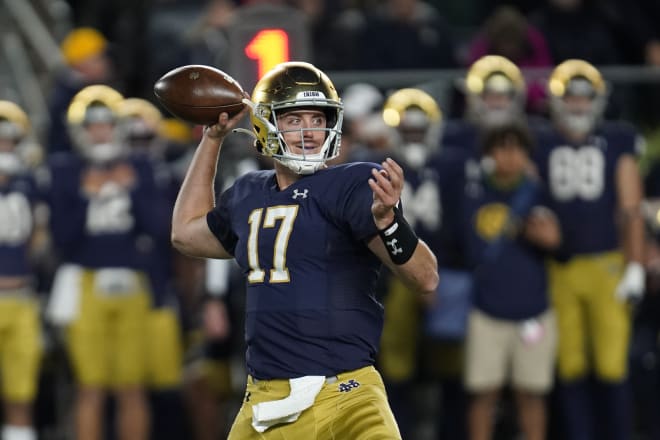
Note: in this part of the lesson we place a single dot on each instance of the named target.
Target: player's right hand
(225, 124)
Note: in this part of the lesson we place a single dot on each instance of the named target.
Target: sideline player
(590, 169)
(20, 344)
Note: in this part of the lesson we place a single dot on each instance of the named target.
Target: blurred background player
(590, 168)
(101, 202)
(494, 94)
(511, 334)
(431, 181)
(139, 127)
(20, 328)
(209, 372)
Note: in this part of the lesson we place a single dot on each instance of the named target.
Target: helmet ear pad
(258, 145)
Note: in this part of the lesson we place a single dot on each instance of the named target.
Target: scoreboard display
(262, 36)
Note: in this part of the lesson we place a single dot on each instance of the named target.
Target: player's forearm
(196, 196)
(630, 194)
(634, 239)
(420, 273)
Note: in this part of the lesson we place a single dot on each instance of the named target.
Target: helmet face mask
(296, 86)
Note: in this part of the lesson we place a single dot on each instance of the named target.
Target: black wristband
(399, 238)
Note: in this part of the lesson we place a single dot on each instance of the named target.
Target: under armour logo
(346, 387)
(297, 194)
(392, 243)
(247, 396)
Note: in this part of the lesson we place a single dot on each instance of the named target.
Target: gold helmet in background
(578, 79)
(417, 118)
(14, 128)
(495, 91)
(18, 124)
(292, 85)
(92, 119)
(139, 125)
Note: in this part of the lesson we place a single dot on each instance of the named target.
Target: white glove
(632, 284)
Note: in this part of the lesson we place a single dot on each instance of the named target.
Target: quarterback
(310, 240)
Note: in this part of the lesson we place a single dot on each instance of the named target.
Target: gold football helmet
(581, 81)
(14, 128)
(291, 85)
(495, 91)
(139, 125)
(418, 120)
(94, 106)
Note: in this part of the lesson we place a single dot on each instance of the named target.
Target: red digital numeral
(269, 47)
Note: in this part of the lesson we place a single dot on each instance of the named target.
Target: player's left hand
(632, 284)
(386, 185)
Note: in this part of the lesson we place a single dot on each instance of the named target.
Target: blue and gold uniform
(20, 341)
(311, 306)
(582, 184)
(97, 234)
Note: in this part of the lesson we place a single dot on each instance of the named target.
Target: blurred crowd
(538, 193)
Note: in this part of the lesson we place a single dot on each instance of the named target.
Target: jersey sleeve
(357, 200)
(219, 222)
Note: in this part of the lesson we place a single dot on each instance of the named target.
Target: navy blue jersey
(17, 197)
(509, 273)
(450, 168)
(310, 307)
(581, 179)
(461, 134)
(100, 231)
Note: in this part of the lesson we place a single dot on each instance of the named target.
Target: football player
(138, 125)
(102, 200)
(310, 240)
(432, 180)
(590, 168)
(20, 343)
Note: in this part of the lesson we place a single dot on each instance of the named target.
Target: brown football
(198, 93)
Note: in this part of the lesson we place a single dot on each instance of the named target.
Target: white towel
(64, 298)
(302, 395)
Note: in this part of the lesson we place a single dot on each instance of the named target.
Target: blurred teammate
(85, 52)
(20, 338)
(432, 181)
(102, 201)
(591, 171)
(495, 94)
(308, 238)
(511, 335)
(139, 124)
